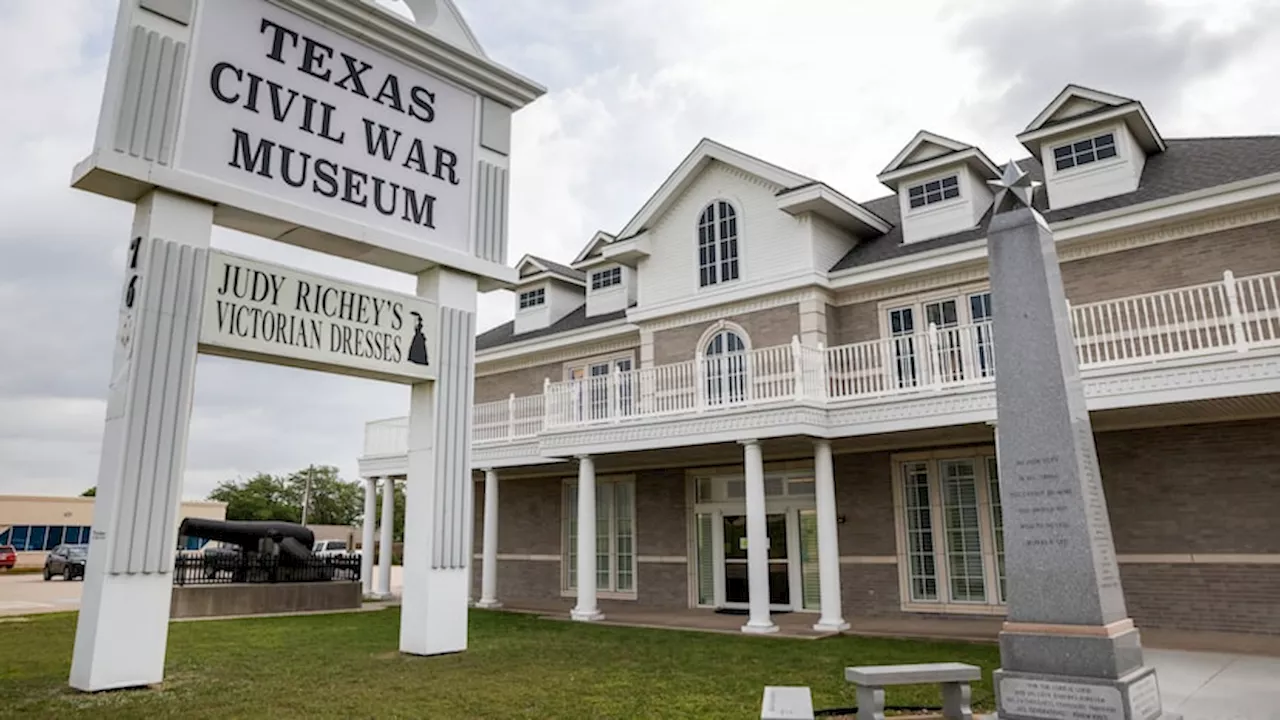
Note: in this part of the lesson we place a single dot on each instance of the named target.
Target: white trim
(600, 239)
(1069, 93)
(585, 363)
(663, 559)
(922, 137)
(1202, 559)
(1148, 138)
(868, 559)
(603, 331)
(972, 158)
(565, 544)
(731, 299)
(834, 207)
(718, 327)
(1086, 169)
(702, 154)
(993, 604)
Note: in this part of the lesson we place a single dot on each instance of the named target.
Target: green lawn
(518, 666)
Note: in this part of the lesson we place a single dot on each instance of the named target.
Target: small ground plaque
(1060, 700)
(786, 703)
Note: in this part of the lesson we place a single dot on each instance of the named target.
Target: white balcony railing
(1235, 315)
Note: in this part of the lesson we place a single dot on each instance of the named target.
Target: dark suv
(67, 561)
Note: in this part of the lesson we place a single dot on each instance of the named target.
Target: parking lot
(26, 594)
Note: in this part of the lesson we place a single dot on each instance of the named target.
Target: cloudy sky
(828, 88)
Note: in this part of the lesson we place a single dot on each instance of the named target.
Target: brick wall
(1219, 598)
(864, 497)
(1191, 261)
(766, 328)
(870, 591)
(1212, 488)
(530, 523)
(526, 381)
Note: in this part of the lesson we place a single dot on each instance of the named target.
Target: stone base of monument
(1042, 696)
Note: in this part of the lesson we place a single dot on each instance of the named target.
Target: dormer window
(934, 191)
(717, 244)
(1085, 151)
(533, 298)
(606, 278)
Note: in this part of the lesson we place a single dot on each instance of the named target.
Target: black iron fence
(236, 568)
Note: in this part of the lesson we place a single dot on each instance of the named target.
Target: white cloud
(829, 88)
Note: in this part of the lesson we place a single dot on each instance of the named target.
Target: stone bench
(954, 677)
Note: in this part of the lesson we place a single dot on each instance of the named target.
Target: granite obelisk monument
(1068, 649)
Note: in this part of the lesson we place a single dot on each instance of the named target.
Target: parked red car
(8, 557)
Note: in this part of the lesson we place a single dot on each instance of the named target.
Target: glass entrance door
(736, 585)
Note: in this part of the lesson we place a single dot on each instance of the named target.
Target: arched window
(717, 244)
(726, 368)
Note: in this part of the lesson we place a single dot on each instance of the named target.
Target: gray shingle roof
(505, 334)
(559, 269)
(1185, 166)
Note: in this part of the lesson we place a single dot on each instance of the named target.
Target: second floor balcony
(856, 388)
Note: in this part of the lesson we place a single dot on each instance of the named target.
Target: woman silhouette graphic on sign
(418, 347)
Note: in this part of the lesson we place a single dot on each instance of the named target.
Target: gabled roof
(924, 146)
(592, 249)
(532, 266)
(1075, 100)
(928, 152)
(706, 152)
(1077, 107)
(443, 19)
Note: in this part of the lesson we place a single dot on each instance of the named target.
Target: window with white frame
(726, 368)
(717, 244)
(1083, 152)
(934, 191)
(533, 298)
(607, 278)
(962, 347)
(595, 395)
(951, 531)
(615, 536)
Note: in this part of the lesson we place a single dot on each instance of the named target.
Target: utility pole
(306, 495)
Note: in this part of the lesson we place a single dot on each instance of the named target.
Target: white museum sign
(282, 106)
(260, 311)
(332, 125)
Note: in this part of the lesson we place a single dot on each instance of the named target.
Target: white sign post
(328, 124)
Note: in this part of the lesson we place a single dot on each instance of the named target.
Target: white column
(586, 609)
(387, 541)
(367, 534)
(757, 542)
(439, 489)
(123, 626)
(489, 578)
(824, 484)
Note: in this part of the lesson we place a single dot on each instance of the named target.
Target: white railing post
(546, 403)
(699, 385)
(797, 359)
(935, 372)
(613, 391)
(824, 387)
(511, 416)
(1233, 306)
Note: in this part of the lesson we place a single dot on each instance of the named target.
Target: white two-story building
(756, 349)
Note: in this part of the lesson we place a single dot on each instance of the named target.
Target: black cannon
(294, 541)
(269, 551)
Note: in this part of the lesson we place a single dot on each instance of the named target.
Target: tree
(91, 492)
(269, 497)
